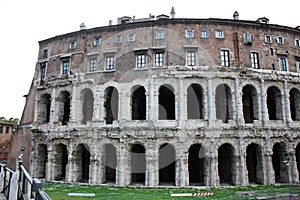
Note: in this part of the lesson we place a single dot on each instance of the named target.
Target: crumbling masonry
(167, 101)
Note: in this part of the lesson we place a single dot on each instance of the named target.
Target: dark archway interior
(223, 103)
(274, 104)
(196, 168)
(61, 161)
(249, 104)
(298, 158)
(225, 162)
(139, 104)
(167, 160)
(110, 163)
(280, 169)
(85, 157)
(45, 106)
(42, 160)
(138, 164)
(295, 104)
(195, 102)
(251, 161)
(166, 104)
(111, 105)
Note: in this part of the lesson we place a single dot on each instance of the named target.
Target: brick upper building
(5, 139)
(168, 101)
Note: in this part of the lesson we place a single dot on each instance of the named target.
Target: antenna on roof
(173, 13)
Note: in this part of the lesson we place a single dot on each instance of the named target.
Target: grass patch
(61, 190)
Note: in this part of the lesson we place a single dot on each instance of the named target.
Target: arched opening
(298, 158)
(250, 104)
(225, 164)
(167, 160)
(111, 104)
(280, 169)
(295, 104)
(81, 160)
(64, 107)
(87, 102)
(166, 102)
(44, 107)
(196, 164)
(195, 102)
(254, 164)
(42, 159)
(110, 163)
(274, 103)
(138, 103)
(138, 164)
(223, 101)
(60, 162)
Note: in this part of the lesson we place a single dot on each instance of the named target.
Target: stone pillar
(150, 101)
(269, 168)
(182, 177)
(123, 176)
(238, 103)
(49, 165)
(71, 172)
(212, 159)
(75, 109)
(211, 108)
(286, 114)
(53, 117)
(152, 166)
(98, 99)
(294, 169)
(243, 165)
(181, 114)
(264, 109)
(95, 162)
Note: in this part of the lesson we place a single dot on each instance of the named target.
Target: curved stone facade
(169, 102)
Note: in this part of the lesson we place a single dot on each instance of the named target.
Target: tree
(13, 121)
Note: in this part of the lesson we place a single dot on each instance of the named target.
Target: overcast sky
(25, 22)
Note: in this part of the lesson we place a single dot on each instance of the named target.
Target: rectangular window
(255, 60)
(297, 42)
(247, 38)
(159, 59)
(7, 130)
(268, 39)
(97, 41)
(225, 61)
(1, 129)
(219, 34)
(110, 63)
(118, 39)
(204, 33)
(283, 64)
(73, 44)
(141, 60)
(42, 71)
(298, 65)
(65, 67)
(93, 64)
(131, 38)
(191, 58)
(271, 51)
(160, 35)
(280, 40)
(189, 33)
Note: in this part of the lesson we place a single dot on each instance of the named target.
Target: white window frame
(191, 57)
(204, 33)
(225, 57)
(118, 39)
(280, 40)
(93, 64)
(189, 33)
(131, 37)
(281, 66)
(219, 34)
(141, 60)
(255, 60)
(268, 39)
(247, 38)
(109, 62)
(297, 42)
(160, 35)
(159, 59)
(73, 44)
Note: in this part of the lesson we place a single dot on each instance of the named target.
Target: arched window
(138, 103)
(223, 101)
(167, 160)
(196, 164)
(110, 162)
(111, 104)
(138, 164)
(60, 161)
(64, 107)
(280, 169)
(250, 104)
(87, 102)
(226, 164)
(274, 103)
(195, 102)
(295, 104)
(166, 101)
(44, 108)
(254, 164)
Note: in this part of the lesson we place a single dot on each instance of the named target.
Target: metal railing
(19, 185)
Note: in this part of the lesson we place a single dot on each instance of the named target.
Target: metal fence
(19, 185)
